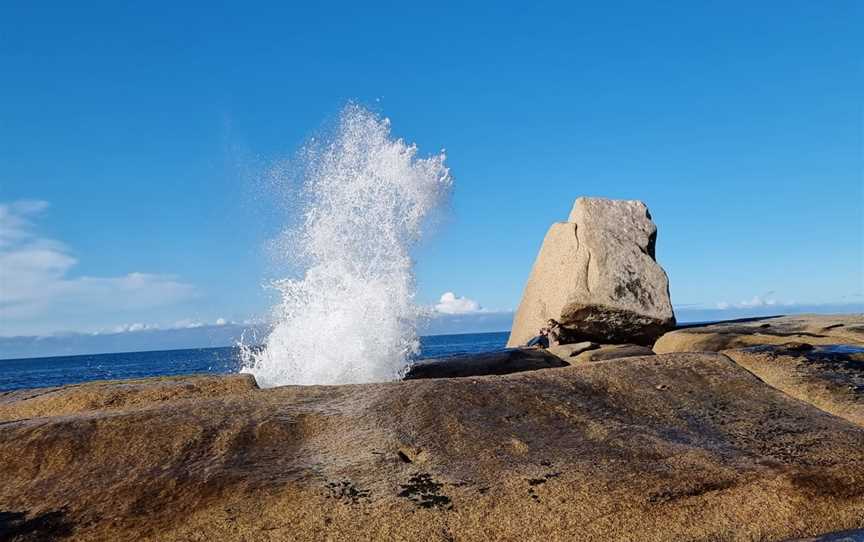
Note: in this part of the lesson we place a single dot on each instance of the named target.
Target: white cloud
(187, 324)
(451, 304)
(16, 220)
(36, 283)
(764, 300)
(131, 328)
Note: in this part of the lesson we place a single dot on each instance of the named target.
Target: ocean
(62, 370)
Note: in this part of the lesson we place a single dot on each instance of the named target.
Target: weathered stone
(511, 360)
(612, 351)
(108, 395)
(828, 377)
(673, 447)
(855, 535)
(805, 328)
(570, 350)
(598, 276)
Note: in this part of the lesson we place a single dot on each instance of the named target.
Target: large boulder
(803, 328)
(672, 447)
(597, 275)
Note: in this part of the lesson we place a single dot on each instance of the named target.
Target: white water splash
(351, 318)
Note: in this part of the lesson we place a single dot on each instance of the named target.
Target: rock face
(806, 328)
(828, 377)
(511, 360)
(672, 447)
(597, 275)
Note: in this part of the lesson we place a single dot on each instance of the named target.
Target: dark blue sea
(57, 371)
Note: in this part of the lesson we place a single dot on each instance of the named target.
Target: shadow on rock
(511, 360)
(16, 526)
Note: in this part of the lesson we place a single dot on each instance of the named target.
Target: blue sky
(131, 138)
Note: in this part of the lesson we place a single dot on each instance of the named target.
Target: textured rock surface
(512, 360)
(107, 395)
(806, 328)
(856, 535)
(566, 351)
(612, 351)
(598, 276)
(828, 377)
(674, 447)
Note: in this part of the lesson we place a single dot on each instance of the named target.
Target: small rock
(613, 351)
(565, 351)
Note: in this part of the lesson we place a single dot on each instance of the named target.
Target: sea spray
(351, 317)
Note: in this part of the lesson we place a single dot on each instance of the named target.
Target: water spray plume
(351, 317)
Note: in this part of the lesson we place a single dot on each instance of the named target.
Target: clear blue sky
(739, 123)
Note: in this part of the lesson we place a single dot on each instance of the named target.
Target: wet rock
(806, 329)
(586, 452)
(856, 535)
(597, 275)
(828, 377)
(23, 526)
(511, 360)
(425, 492)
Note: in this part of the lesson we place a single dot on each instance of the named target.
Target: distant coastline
(154, 340)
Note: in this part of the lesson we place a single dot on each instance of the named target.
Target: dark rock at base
(611, 325)
(845, 536)
(511, 360)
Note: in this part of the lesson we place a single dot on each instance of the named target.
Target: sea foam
(364, 200)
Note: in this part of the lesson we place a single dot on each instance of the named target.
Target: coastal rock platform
(828, 377)
(805, 328)
(670, 447)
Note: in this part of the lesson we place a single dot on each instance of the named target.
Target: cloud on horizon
(36, 281)
(193, 334)
(180, 324)
(452, 304)
(764, 300)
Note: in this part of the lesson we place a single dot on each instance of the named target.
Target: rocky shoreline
(675, 446)
(626, 429)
